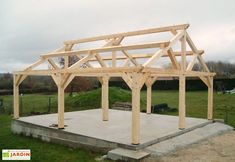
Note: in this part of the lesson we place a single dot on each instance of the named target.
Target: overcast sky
(29, 28)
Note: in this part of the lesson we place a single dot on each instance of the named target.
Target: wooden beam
(143, 77)
(149, 99)
(64, 79)
(117, 70)
(174, 32)
(130, 57)
(147, 55)
(118, 41)
(191, 44)
(66, 62)
(35, 64)
(87, 63)
(127, 78)
(68, 80)
(114, 60)
(174, 61)
(107, 49)
(183, 49)
(182, 122)
(55, 79)
(81, 61)
(100, 60)
(210, 100)
(192, 62)
(149, 82)
(105, 98)
(198, 73)
(135, 109)
(182, 85)
(205, 80)
(127, 34)
(202, 62)
(20, 79)
(16, 97)
(66, 58)
(114, 42)
(52, 63)
(156, 56)
(159, 53)
(60, 104)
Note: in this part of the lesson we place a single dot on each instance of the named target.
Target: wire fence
(43, 104)
(30, 105)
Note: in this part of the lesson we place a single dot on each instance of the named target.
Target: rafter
(191, 44)
(87, 63)
(159, 53)
(52, 63)
(100, 60)
(202, 62)
(108, 49)
(192, 62)
(81, 61)
(35, 64)
(147, 55)
(127, 34)
(174, 61)
(130, 57)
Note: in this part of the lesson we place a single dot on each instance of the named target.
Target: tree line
(34, 84)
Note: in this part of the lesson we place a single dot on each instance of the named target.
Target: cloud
(217, 41)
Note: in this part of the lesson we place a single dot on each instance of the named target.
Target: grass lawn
(41, 151)
(196, 102)
(196, 106)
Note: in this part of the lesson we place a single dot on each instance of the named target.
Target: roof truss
(113, 51)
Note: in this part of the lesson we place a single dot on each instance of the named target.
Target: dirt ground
(216, 149)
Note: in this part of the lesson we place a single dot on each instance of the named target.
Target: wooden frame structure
(134, 73)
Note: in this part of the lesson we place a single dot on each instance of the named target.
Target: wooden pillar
(60, 85)
(210, 99)
(149, 82)
(62, 81)
(182, 80)
(149, 99)
(135, 110)
(60, 104)
(105, 98)
(16, 98)
(182, 102)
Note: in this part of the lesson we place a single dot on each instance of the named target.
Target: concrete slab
(184, 140)
(127, 155)
(87, 128)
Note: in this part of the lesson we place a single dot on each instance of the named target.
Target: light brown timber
(136, 69)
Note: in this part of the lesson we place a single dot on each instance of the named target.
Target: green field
(196, 106)
(196, 102)
(41, 151)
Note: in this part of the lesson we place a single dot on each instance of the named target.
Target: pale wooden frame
(135, 75)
